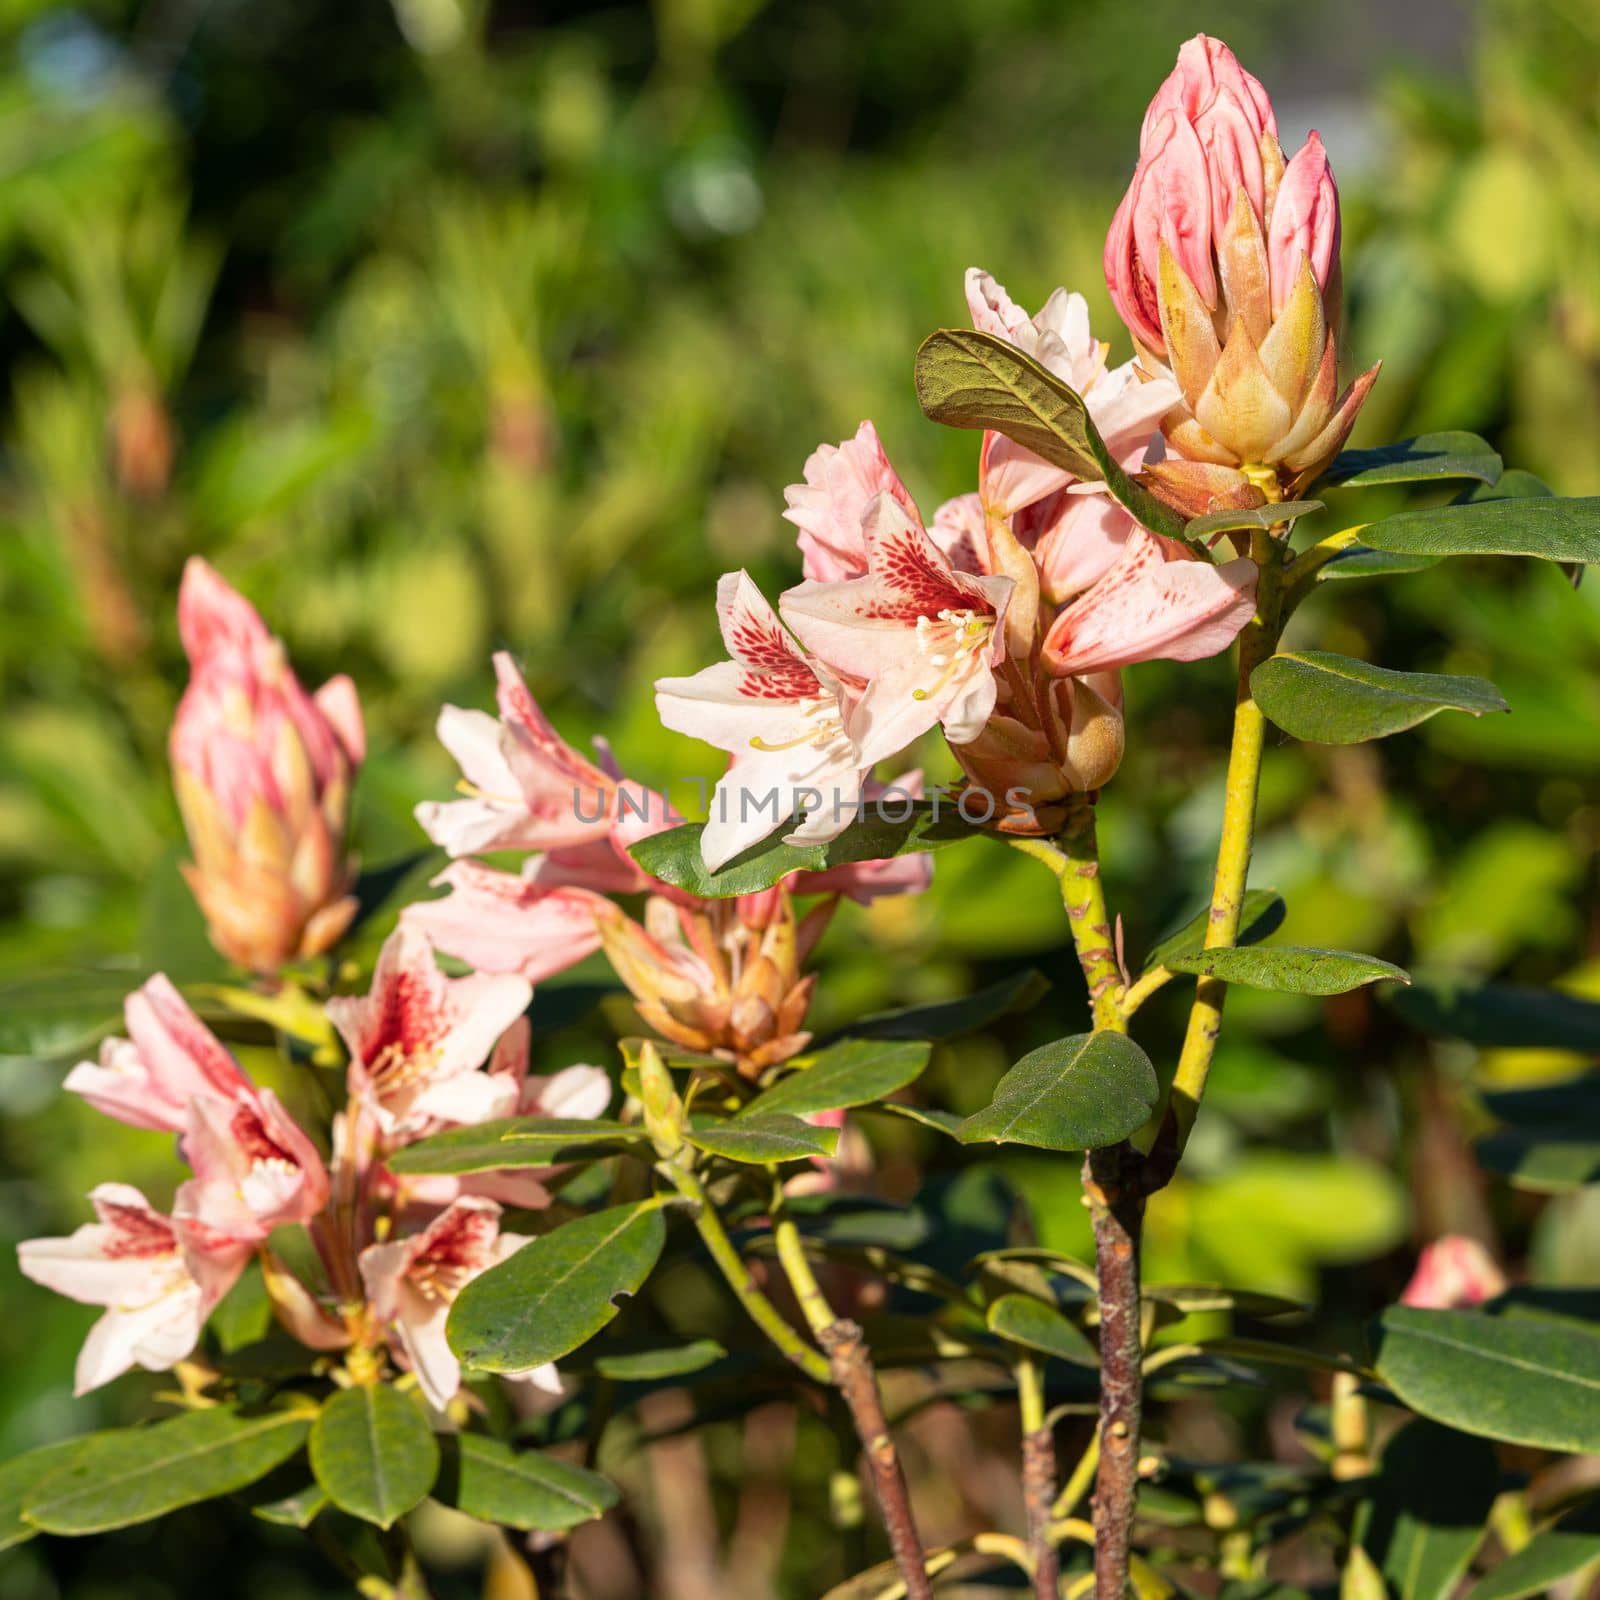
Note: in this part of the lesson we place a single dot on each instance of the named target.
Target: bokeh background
(442, 326)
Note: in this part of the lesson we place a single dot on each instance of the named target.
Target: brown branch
(856, 1381)
(1038, 1496)
(1116, 1205)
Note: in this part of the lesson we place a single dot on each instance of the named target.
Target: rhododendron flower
(528, 788)
(412, 1283)
(1224, 262)
(158, 1277)
(840, 482)
(1454, 1271)
(781, 715)
(263, 774)
(923, 637)
(416, 1030)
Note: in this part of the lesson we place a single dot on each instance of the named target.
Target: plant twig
(1038, 1478)
(1082, 1476)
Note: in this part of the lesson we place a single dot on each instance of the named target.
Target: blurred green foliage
(444, 327)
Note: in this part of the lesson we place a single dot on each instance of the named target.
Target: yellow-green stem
(1077, 1486)
(1256, 644)
(797, 1267)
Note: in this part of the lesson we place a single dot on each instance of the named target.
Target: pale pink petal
(840, 482)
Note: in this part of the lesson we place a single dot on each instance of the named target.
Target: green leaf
(854, 1072)
(374, 1453)
(1428, 457)
(1554, 529)
(1564, 1548)
(651, 1365)
(57, 1015)
(1527, 1380)
(297, 1510)
(674, 856)
(1331, 699)
(523, 1489)
(1076, 1094)
(1193, 1297)
(1290, 969)
(1360, 561)
(764, 1138)
(1501, 1015)
(967, 379)
(944, 1019)
(20, 1474)
(1262, 915)
(948, 1122)
(1273, 1354)
(1572, 1101)
(134, 1474)
(1259, 517)
(1428, 1509)
(512, 1142)
(1026, 1321)
(557, 1291)
(1549, 1160)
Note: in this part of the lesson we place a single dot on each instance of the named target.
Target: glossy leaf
(1215, 522)
(558, 1291)
(945, 1019)
(374, 1453)
(1261, 916)
(1546, 1160)
(764, 1138)
(134, 1474)
(1558, 1551)
(1428, 1509)
(512, 1142)
(1427, 458)
(524, 1489)
(1290, 969)
(674, 856)
(967, 379)
(1331, 699)
(1527, 1380)
(1026, 1321)
(1501, 1014)
(1553, 529)
(1076, 1094)
(854, 1072)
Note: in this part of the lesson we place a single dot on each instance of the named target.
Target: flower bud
(663, 1110)
(263, 773)
(1224, 263)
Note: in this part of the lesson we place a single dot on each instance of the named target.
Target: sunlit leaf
(1215, 522)
(1428, 457)
(764, 1138)
(1262, 914)
(513, 1142)
(1554, 529)
(374, 1453)
(1558, 1551)
(525, 1489)
(854, 1072)
(1331, 699)
(1290, 969)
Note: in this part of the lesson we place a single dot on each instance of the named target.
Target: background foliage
(441, 328)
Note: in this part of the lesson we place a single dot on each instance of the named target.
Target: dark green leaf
(1360, 561)
(854, 1072)
(666, 1361)
(512, 1142)
(944, 1019)
(1428, 457)
(968, 379)
(1279, 1355)
(557, 1291)
(135, 1474)
(1026, 1321)
(523, 1489)
(1554, 529)
(1516, 483)
(674, 856)
(1260, 517)
(1261, 916)
(374, 1453)
(764, 1138)
(1548, 1160)
(244, 1316)
(1566, 1547)
(1501, 1015)
(930, 1117)
(1076, 1094)
(1428, 1509)
(1573, 1103)
(1332, 699)
(1290, 969)
(20, 1474)
(1528, 1380)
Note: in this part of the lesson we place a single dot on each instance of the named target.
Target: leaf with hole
(1290, 969)
(523, 1489)
(1331, 699)
(135, 1474)
(854, 1072)
(557, 1291)
(1031, 1323)
(1076, 1094)
(1527, 1380)
(374, 1453)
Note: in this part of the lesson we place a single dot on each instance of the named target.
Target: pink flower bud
(263, 773)
(1452, 1272)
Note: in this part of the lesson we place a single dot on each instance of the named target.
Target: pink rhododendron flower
(1454, 1271)
(781, 715)
(840, 482)
(158, 1277)
(416, 1030)
(263, 773)
(412, 1283)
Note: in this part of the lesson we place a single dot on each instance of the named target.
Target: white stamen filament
(947, 641)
